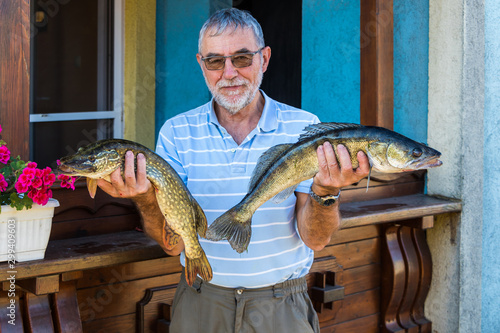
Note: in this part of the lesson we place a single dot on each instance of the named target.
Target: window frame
(117, 113)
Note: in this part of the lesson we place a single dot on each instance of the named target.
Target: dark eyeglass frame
(232, 59)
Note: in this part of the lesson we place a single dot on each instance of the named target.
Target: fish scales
(182, 213)
(283, 167)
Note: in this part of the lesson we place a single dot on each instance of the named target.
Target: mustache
(231, 83)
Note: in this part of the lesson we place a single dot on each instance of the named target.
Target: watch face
(329, 202)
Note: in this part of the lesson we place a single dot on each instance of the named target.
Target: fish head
(402, 155)
(92, 161)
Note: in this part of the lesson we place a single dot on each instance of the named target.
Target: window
(76, 76)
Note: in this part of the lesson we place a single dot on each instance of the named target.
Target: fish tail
(233, 227)
(197, 266)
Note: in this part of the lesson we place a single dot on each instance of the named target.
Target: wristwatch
(326, 200)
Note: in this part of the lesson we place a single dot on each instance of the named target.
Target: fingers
(141, 170)
(133, 183)
(364, 164)
(335, 170)
(129, 172)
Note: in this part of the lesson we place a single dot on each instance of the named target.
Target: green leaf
(19, 203)
(18, 164)
(6, 171)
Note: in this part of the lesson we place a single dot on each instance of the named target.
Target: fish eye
(417, 152)
(91, 158)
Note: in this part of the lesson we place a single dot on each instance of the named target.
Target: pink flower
(36, 183)
(40, 197)
(38, 173)
(31, 181)
(3, 182)
(67, 181)
(25, 179)
(4, 154)
(29, 173)
(0, 128)
(49, 179)
(21, 187)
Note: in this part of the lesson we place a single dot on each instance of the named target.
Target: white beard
(233, 104)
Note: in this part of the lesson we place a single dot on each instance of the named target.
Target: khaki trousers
(207, 308)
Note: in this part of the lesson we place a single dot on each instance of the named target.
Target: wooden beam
(41, 285)
(376, 49)
(15, 75)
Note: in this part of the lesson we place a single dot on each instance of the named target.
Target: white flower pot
(31, 229)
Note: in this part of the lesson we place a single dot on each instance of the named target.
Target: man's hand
(331, 177)
(134, 185)
(137, 187)
(316, 223)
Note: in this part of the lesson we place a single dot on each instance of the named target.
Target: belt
(285, 288)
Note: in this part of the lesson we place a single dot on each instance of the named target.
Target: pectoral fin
(92, 187)
(170, 237)
(283, 195)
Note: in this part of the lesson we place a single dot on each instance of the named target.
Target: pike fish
(183, 215)
(281, 168)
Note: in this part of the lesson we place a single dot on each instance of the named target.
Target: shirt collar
(268, 120)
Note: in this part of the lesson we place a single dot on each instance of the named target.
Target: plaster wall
(139, 71)
(490, 320)
(180, 84)
(330, 59)
(456, 98)
(411, 57)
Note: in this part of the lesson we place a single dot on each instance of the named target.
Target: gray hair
(233, 18)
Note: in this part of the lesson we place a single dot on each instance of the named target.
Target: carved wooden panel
(154, 307)
(408, 271)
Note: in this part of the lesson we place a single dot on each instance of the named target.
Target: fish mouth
(76, 170)
(429, 163)
(64, 170)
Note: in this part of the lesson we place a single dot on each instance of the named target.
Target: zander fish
(182, 213)
(281, 168)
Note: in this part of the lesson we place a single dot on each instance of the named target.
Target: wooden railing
(48, 289)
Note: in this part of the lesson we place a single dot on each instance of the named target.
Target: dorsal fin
(265, 161)
(316, 129)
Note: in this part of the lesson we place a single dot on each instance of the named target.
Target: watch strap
(326, 200)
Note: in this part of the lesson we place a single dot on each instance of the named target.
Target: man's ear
(266, 56)
(200, 62)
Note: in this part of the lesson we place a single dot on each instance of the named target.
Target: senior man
(214, 148)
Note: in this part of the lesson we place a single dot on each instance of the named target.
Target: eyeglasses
(239, 60)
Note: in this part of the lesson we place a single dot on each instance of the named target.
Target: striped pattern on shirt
(217, 172)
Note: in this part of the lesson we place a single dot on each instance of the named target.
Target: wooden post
(376, 49)
(15, 75)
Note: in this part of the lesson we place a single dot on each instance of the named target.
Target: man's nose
(229, 69)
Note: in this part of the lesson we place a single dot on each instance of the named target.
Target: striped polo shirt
(217, 172)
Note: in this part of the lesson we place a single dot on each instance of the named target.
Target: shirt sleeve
(306, 184)
(167, 149)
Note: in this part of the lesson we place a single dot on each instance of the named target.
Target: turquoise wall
(490, 309)
(179, 82)
(411, 58)
(330, 59)
(331, 63)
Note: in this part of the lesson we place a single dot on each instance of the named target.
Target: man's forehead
(239, 38)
